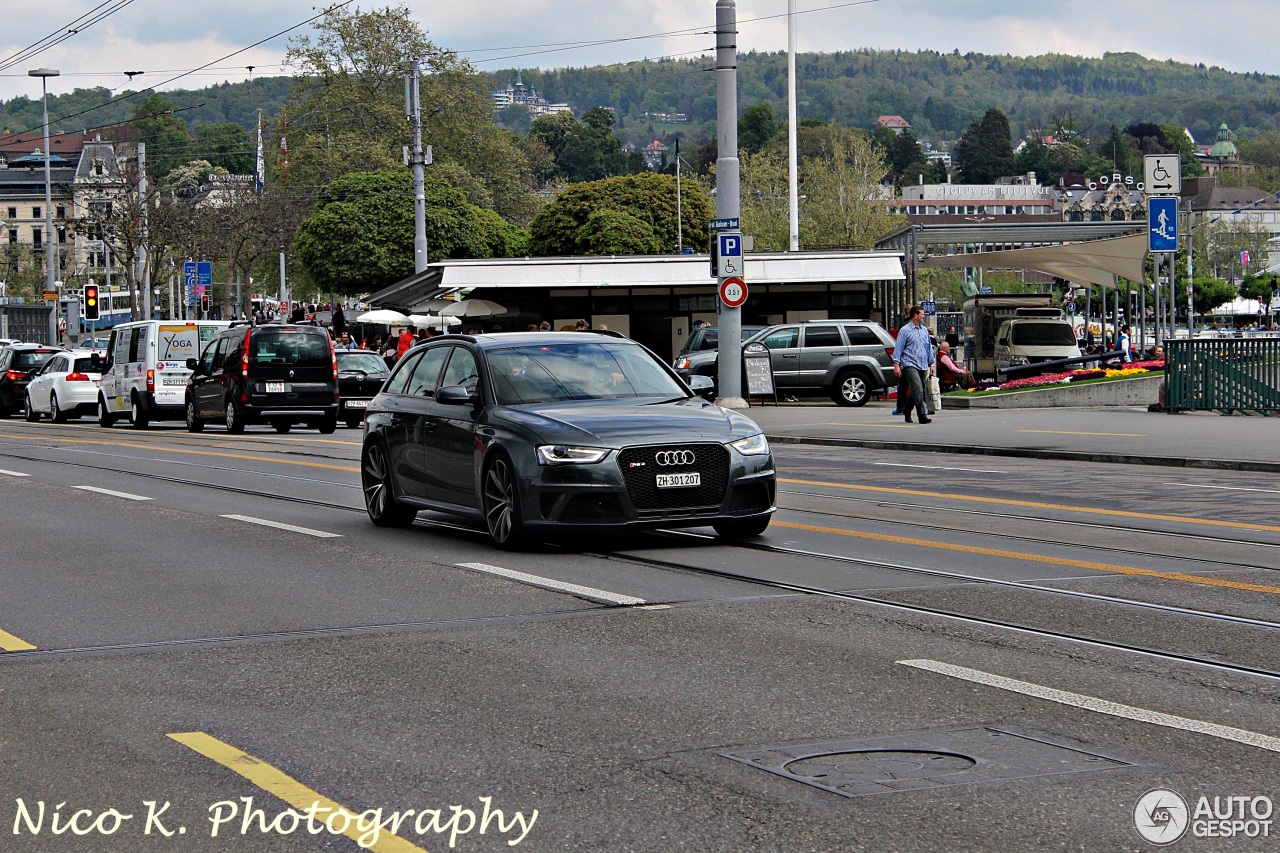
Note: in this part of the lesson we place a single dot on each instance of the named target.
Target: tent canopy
(1095, 263)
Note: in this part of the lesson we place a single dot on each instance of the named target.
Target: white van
(1033, 339)
(145, 377)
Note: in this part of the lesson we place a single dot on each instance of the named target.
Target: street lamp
(51, 249)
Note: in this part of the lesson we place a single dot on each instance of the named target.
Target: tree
(164, 134)
(228, 146)
(985, 152)
(562, 226)
(766, 206)
(616, 232)
(1258, 287)
(359, 237)
(906, 159)
(845, 205)
(757, 126)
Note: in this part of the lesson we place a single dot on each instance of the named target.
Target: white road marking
(113, 493)
(1099, 706)
(586, 592)
(13, 473)
(1227, 488)
(936, 467)
(280, 525)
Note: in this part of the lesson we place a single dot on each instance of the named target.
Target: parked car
(698, 357)
(18, 363)
(361, 374)
(66, 386)
(537, 434)
(276, 374)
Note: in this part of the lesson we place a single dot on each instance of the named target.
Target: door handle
(788, 355)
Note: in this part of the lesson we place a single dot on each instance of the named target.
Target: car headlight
(559, 454)
(755, 445)
(682, 364)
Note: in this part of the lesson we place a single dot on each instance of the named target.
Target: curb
(1036, 453)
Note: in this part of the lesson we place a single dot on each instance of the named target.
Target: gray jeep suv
(845, 359)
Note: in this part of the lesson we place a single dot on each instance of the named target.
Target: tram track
(957, 578)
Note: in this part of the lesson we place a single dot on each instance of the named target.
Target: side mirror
(701, 385)
(193, 364)
(1003, 342)
(455, 395)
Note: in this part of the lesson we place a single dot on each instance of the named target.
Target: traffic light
(92, 310)
(204, 302)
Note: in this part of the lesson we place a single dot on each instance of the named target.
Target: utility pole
(728, 195)
(679, 206)
(413, 109)
(143, 284)
(793, 169)
(51, 241)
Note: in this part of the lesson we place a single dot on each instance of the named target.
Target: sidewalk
(1129, 435)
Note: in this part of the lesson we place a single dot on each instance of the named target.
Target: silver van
(1031, 340)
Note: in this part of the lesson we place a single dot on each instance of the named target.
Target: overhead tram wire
(315, 17)
(63, 33)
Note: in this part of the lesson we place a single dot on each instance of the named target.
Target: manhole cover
(913, 762)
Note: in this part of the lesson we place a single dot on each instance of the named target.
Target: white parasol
(383, 317)
(422, 321)
(474, 308)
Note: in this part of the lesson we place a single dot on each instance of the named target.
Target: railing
(1224, 375)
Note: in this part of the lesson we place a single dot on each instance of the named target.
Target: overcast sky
(164, 38)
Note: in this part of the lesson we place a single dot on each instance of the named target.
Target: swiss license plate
(275, 387)
(175, 380)
(357, 404)
(679, 481)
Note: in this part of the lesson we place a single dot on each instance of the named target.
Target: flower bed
(1135, 368)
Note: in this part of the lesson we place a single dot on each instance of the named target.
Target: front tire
(31, 415)
(55, 412)
(379, 498)
(105, 418)
(235, 425)
(500, 500)
(851, 389)
(742, 528)
(194, 424)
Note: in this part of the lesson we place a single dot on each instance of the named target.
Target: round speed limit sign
(733, 292)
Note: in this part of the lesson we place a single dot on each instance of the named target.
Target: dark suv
(18, 363)
(280, 375)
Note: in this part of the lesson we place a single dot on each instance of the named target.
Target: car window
(135, 343)
(207, 358)
(550, 372)
(85, 365)
(54, 365)
(120, 350)
(1044, 335)
(427, 372)
(862, 336)
(404, 369)
(461, 370)
(366, 361)
(782, 338)
(822, 336)
(295, 349)
(231, 352)
(31, 359)
(709, 339)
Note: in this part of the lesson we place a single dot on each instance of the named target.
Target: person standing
(405, 341)
(339, 321)
(913, 360)
(1126, 353)
(953, 339)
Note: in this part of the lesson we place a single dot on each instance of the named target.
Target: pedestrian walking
(1126, 354)
(913, 359)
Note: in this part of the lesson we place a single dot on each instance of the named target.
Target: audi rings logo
(675, 457)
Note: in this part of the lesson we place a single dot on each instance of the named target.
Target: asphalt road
(956, 654)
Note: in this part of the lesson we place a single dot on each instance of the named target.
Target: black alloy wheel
(501, 504)
(194, 424)
(379, 499)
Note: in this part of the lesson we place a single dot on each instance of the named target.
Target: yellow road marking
(1057, 561)
(161, 449)
(1068, 432)
(10, 643)
(1240, 525)
(285, 787)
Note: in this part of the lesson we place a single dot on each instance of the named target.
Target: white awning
(1091, 263)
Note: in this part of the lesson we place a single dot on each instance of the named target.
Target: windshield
(85, 365)
(1043, 335)
(31, 359)
(366, 361)
(295, 349)
(573, 371)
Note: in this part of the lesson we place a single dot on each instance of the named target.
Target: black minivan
(279, 375)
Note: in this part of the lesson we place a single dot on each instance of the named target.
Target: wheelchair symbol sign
(730, 255)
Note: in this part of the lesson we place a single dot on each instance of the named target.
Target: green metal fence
(1224, 375)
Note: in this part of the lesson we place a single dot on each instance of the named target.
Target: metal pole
(793, 170)
(1159, 292)
(1173, 299)
(1191, 276)
(679, 205)
(413, 107)
(728, 193)
(143, 279)
(51, 242)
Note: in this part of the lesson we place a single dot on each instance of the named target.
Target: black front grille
(640, 468)
(752, 497)
(587, 508)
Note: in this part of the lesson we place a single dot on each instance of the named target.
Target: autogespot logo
(675, 457)
(1160, 816)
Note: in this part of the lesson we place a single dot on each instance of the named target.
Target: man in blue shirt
(913, 358)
